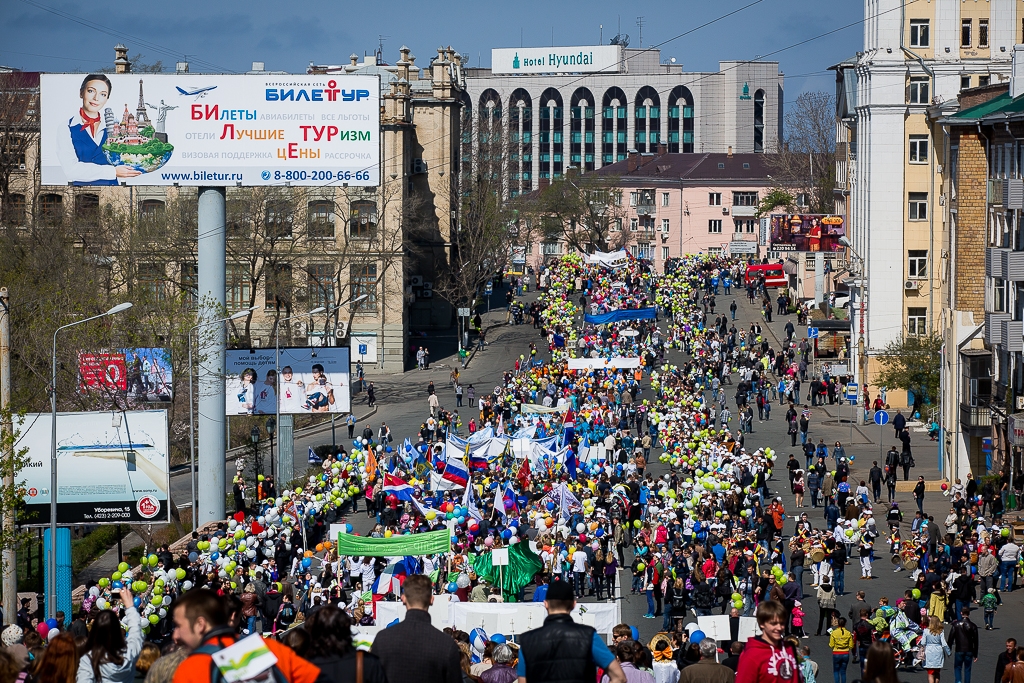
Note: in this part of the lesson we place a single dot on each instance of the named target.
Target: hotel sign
(557, 60)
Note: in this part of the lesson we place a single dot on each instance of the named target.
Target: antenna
(380, 48)
(640, 24)
(601, 41)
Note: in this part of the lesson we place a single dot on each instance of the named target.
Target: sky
(226, 36)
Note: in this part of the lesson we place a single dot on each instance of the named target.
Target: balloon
(51, 623)
(154, 619)
(697, 636)
(580, 528)
(916, 593)
(641, 566)
(123, 567)
(179, 574)
(153, 560)
(636, 523)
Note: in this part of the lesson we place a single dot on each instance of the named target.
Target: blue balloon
(52, 623)
(455, 539)
(192, 557)
(696, 637)
(506, 534)
(348, 528)
(214, 555)
(116, 585)
(393, 623)
(498, 638)
(137, 601)
(307, 562)
(599, 533)
(388, 449)
(550, 505)
(452, 587)
(461, 520)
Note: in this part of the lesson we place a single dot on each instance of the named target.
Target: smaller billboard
(313, 380)
(806, 232)
(743, 247)
(557, 60)
(141, 375)
(112, 467)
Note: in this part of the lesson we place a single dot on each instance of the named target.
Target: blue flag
(313, 457)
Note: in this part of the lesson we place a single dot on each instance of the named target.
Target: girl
(935, 649)
(798, 621)
(798, 488)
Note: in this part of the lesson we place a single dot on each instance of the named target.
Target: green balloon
(154, 619)
(153, 560)
(123, 567)
(916, 593)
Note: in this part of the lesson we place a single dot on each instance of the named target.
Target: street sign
(463, 312)
(881, 418)
(851, 392)
(812, 332)
(489, 289)
(835, 369)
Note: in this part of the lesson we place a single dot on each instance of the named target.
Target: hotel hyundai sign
(557, 60)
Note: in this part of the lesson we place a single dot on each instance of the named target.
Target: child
(798, 620)
(808, 667)
(988, 603)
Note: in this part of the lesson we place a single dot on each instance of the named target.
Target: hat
(12, 635)
(560, 590)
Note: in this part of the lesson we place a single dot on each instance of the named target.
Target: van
(773, 274)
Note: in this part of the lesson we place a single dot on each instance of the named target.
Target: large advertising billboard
(112, 467)
(191, 129)
(557, 60)
(806, 232)
(313, 380)
(139, 375)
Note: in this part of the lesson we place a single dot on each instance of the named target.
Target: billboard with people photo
(313, 380)
(138, 375)
(806, 232)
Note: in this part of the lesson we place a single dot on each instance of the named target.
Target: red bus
(773, 274)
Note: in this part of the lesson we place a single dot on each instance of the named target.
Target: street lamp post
(271, 428)
(52, 579)
(277, 377)
(191, 417)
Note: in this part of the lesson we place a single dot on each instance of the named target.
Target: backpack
(703, 597)
(287, 614)
(271, 675)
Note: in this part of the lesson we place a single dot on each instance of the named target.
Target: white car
(842, 301)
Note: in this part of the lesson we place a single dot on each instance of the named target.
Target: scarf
(90, 123)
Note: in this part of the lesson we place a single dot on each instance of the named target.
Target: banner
(506, 618)
(428, 543)
(141, 375)
(206, 129)
(523, 564)
(112, 467)
(313, 380)
(806, 232)
(535, 408)
(603, 363)
(621, 315)
(614, 259)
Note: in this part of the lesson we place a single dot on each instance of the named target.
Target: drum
(817, 555)
(896, 559)
(910, 565)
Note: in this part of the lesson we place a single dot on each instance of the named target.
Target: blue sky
(227, 35)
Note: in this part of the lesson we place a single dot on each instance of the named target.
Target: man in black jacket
(964, 639)
(414, 650)
(560, 650)
(1005, 657)
(875, 477)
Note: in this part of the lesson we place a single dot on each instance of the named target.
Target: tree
(913, 363)
(19, 135)
(583, 210)
(806, 160)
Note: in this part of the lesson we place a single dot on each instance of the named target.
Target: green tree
(913, 363)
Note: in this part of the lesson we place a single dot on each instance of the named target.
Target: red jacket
(762, 663)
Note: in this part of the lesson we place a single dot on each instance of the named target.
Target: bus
(773, 274)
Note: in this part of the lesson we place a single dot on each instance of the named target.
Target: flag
(585, 448)
(456, 472)
(499, 505)
(392, 574)
(568, 427)
(523, 475)
(371, 465)
(509, 499)
(567, 502)
(474, 511)
(570, 464)
(313, 457)
(424, 509)
(477, 458)
(397, 487)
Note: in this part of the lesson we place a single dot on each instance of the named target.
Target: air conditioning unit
(427, 294)
(416, 280)
(664, 237)
(725, 210)
(419, 166)
(341, 331)
(427, 286)
(1013, 193)
(911, 285)
(1020, 403)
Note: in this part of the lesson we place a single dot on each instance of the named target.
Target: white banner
(192, 129)
(557, 60)
(603, 363)
(614, 259)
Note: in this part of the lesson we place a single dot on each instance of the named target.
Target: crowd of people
(554, 464)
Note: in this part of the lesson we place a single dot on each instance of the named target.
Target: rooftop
(704, 166)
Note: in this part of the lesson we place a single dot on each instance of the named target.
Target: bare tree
(806, 161)
(583, 210)
(19, 135)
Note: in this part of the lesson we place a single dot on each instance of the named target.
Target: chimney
(730, 152)
(662, 150)
(121, 63)
(1017, 72)
(632, 161)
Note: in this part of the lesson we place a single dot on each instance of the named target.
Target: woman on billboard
(80, 151)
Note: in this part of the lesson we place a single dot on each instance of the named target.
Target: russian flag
(478, 459)
(391, 579)
(509, 499)
(570, 463)
(397, 487)
(455, 471)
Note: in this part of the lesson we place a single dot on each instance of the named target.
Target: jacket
(935, 650)
(841, 641)
(760, 662)
(964, 637)
(110, 672)
(196, 667)
(560, 650)
(414, 650)
(987, 565)
(826, 596)
(707, 671)
(499, 673)
(343, 669)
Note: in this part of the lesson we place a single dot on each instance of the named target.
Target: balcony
(994, 328)
(1013, 335)
(1005, 264)
(744, 211)
(975, 417)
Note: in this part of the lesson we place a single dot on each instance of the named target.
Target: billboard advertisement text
(191, 129)
(557, 60)
(806, 232)
(140, 375)
(313, 380)
(112, 467)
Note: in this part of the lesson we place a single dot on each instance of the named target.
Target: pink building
(678, 204)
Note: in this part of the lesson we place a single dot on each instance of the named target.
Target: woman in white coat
(935, 649)
(110, 655)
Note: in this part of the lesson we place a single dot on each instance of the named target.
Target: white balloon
(94, 591)
(186, 585)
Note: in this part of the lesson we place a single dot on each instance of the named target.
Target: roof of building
(708, 166)
(1001, 106)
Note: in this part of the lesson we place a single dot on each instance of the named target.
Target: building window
(919, 33)
(744, 199)
(364, 282)
(965, 82)
(362, 219)
(320, 219)
(664, 225)
(999, 296)
(14, 210)
(664, 253)
(714, 251)
(279, 287)
(633, 224)
(279, 219)
(237, 287)
(552, 248)
(617, 225)
(965, 32)
(759, 121)
(801, 199)
(737, 226)
(320, 284)
(151, 210)
(714, 198)
(919, 88)
(984, 80)
(87, 209)
(917, 321)
(919, 149)
(715, 225)
(918, 206)
(189, 283)
(664, 198)
(51, 209)
(917, 263)
(152, 281)
(982, 32)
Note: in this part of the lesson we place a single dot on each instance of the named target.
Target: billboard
(112, 467)
(557, 60)
(806, 232)
(313, 380)
(141, 375)
(191, 129)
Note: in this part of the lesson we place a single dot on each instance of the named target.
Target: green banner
(523, 565)
(427, 543)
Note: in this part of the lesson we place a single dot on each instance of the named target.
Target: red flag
(524, 474)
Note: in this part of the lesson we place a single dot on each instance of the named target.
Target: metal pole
(212, 254)
(277, 393)
(192, 435)
(51, 583)
(10, 556)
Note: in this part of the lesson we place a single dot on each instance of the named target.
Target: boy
(765, 659)
(988, 603)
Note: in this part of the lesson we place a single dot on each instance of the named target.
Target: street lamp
(52, 579)
(277, 376)
(271, 425)
(191, 417)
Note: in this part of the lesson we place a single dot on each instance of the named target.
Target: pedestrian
(351, 422)
(630, 655)
(793, 430)
(1005, 658)
(841, 642)
(1009, 555)
(59, 662)
(109, 655)
(371, 395)
(471, 395)
(935, 649)
(334, 652)
(880, 666)
(413, 649)
(919, 494)
(826, 596)
(875, 477)
(561, 649)
(732, 309)
(707, 670)
(766, 658)
(963, 638)
(990, 603)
